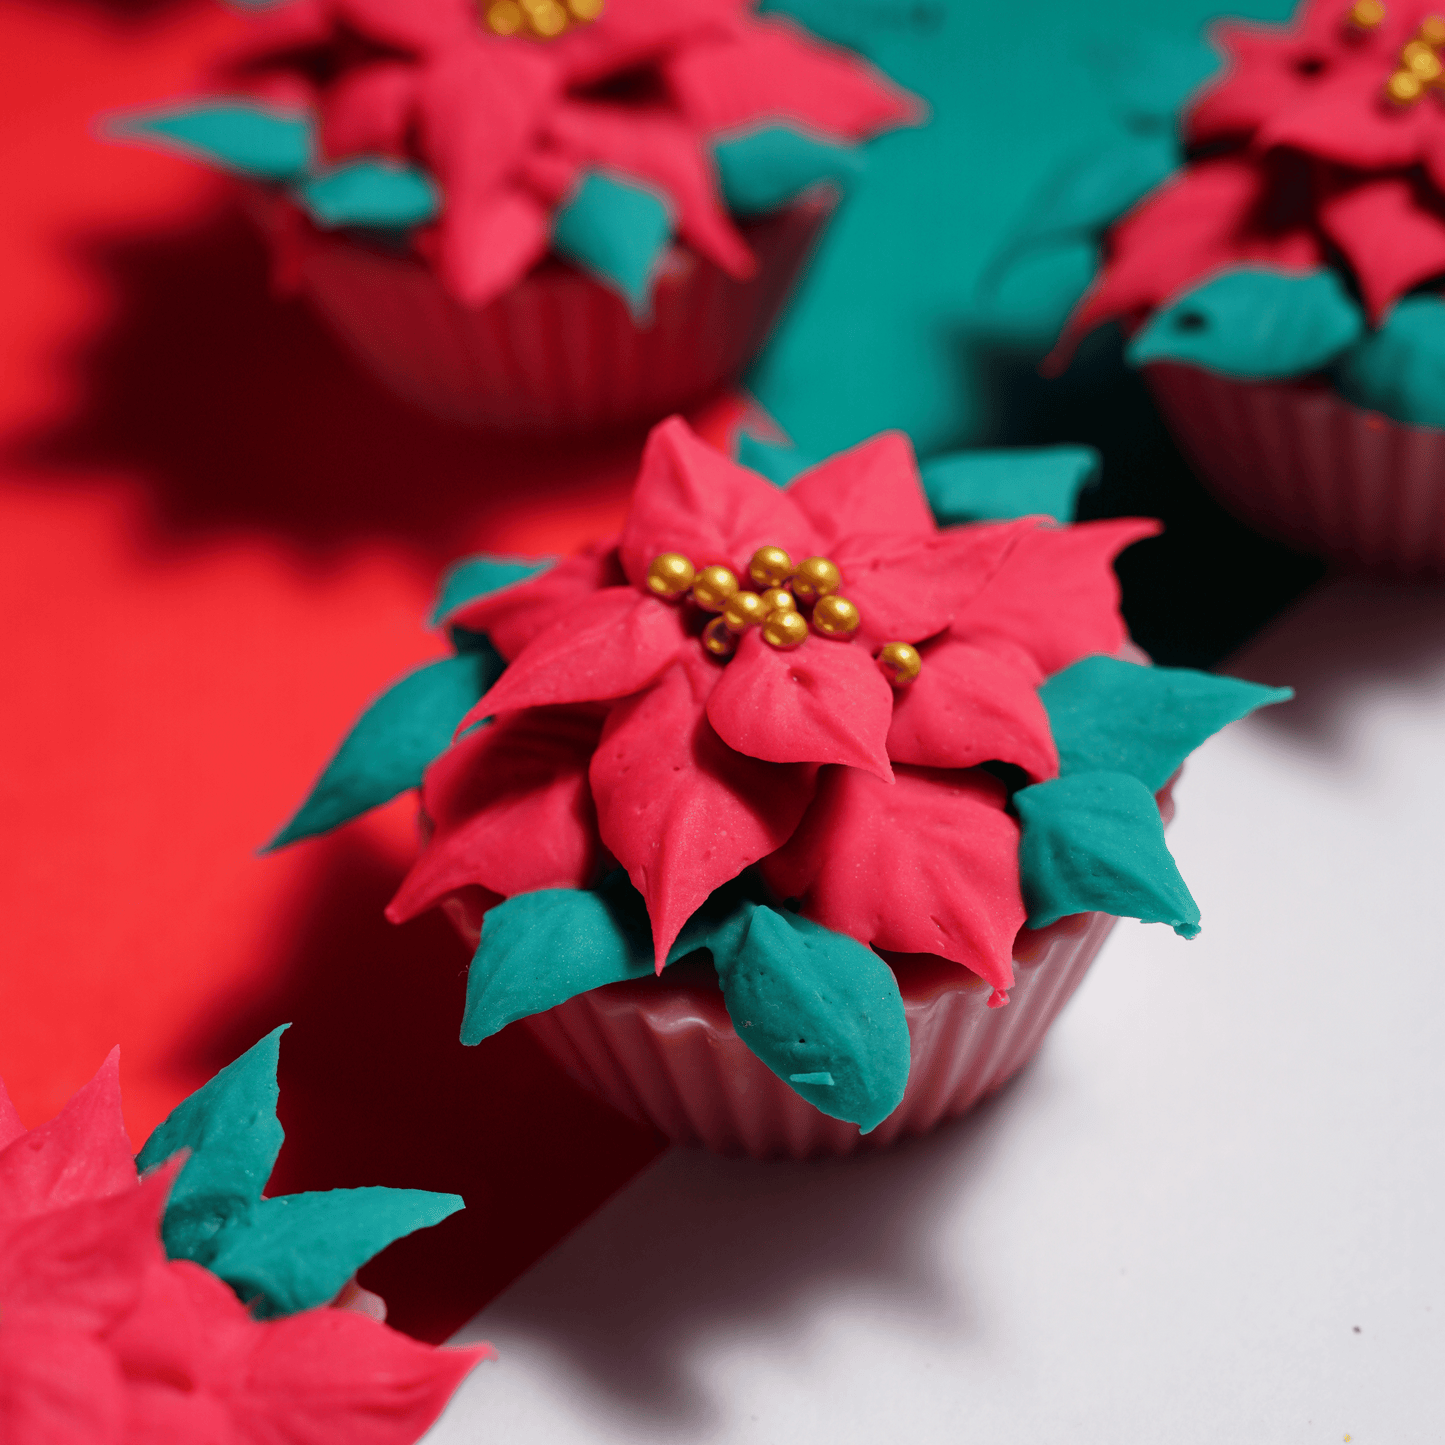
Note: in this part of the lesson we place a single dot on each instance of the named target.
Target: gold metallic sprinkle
(899, 662)
(670, 575)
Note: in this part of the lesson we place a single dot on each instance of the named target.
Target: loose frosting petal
(929, 865)
(681, 811)
(867, 493)
(612, 643)
(971, 706)
(826, 702)
(511, 809)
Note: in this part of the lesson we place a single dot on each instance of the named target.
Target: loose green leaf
(298, 1250)
(1095, 842)
(764, 170)
(230, 1127)
(1254, 323)
(1109, 716)
(381, 193)
(995, 486)
(1400, 369)
(393, 741)
(617, 229)
(475, 577)
(240, 136)
(779, 464)
(822, 1012)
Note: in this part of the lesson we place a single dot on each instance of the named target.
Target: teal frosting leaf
(995, 486)
(822, 1012)
(765, 169)
(297, 1251)
(617, 230)
(380, 193)
(241, 136)
(1254, 323)
(230, 1127)
(480, 576)
(1109, 716)
(1150, 75)
(1095, 842)
(779, 464)
(393, 741)
(1400, 369)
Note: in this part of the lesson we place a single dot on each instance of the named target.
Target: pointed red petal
(511, 809)
(82, 1153)
(1056, 594)
(613, 643)
(514, 615)
(825, 702)
(929, 865)
(866, 493)
(10, 1126)
(368, 111)
(692, 499)
(487, 241)
(967, 707)
(1342, 120)
(680, 810)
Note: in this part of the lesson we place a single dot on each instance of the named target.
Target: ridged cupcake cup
(558, 352)
(1297, 462)
(664, 1052)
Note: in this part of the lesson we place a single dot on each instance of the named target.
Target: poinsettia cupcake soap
(788, 820)
(525, 214)
(1283, 287)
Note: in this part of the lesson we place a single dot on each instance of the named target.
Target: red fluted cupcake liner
(1299, 463)
(558, 352)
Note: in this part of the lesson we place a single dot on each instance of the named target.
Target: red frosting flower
(103, 1340)
(689, 744)
(506, 104)
(1323, 138)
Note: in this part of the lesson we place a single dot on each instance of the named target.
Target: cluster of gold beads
(1420, 66)
(539, 19)
(786, 602)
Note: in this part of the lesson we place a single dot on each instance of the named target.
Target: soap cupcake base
(558, 352)
(1299, 463)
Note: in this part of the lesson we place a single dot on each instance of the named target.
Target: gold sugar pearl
(505, 17)
(546, 17)
(717, 639)
(670, 575)
(1421, 61)
(1404, 87)
(816, 577)
(835, 616)
(584, 11)
(785, 630)
(744, 610)
(899, 662)
(779, 599)
(770, 567)
(1366, 14)
(713, 588)
(1432, 28)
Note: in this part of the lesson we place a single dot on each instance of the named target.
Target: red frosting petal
(511, 810)
(422, 25)
(82, 1153)
(488, 240)
(929, 865)
(871, 491)
(369, 110)
(1344, 121)
(969, 706)
(681, 811)
(692, 499)
(1056, 594)
(825, 702)
(613, 643)
(513, 616)
(41, 1369)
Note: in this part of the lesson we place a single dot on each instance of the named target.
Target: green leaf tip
(617, 229)
(1399, 368)
(765, 169)
(375, 193)
(265, 142)
(476, 577)
(779, 464)
(1000, 484)
(1094, 842)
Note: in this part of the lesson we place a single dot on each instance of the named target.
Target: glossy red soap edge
(1299, 463)
(558, 353)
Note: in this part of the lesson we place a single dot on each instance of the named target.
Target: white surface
(1210, 1211)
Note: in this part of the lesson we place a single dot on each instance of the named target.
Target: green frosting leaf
(822, 1012)
(1254, 323)
(1095, 842)
(1400, 369)
(1109, 716)
(764, 170)
(241, 136)
(393, 741)
(230, 1127)
(994, 486)
(298, 1250)
(480, 576)
(1149, 76)
(617, 229)
(381, 193)
(779, 464)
